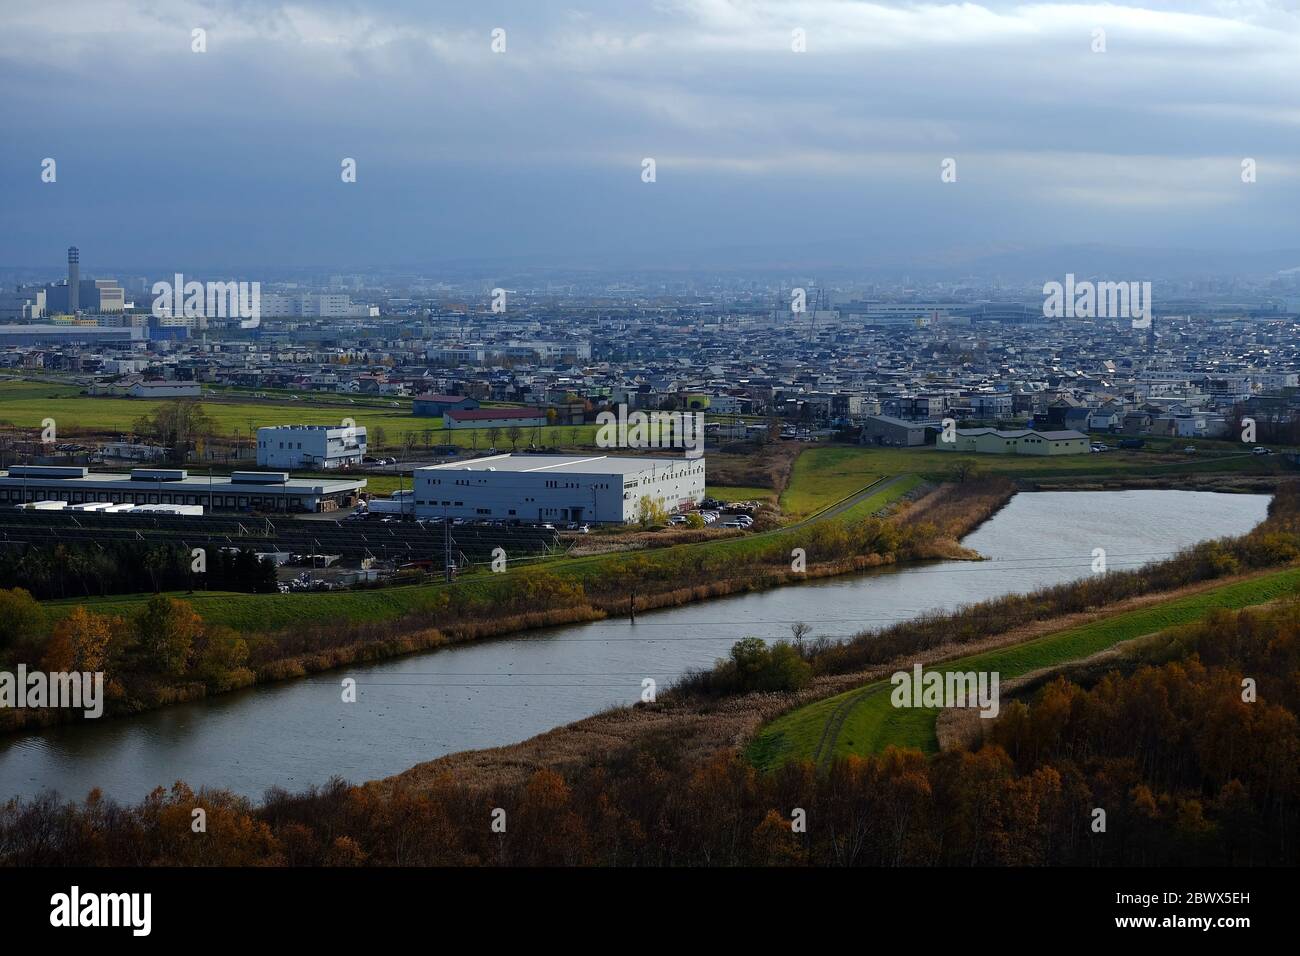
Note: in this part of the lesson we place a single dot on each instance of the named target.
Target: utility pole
(446, 545)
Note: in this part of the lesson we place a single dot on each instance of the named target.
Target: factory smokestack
(74, 279)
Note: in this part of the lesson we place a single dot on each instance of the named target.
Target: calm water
(503, 691)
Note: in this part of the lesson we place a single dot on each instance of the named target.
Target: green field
(823, 476)
(739, 493)
(27, 404)
(870, 505)
(837, 465)
(870, 722)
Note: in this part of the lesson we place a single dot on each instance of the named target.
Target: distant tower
(74, 279)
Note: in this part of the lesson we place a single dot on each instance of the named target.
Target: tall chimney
(74, 279)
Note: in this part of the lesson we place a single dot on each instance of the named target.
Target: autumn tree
(177, 426)
(651, 512)
(93, 639)
(22, 620)
(165, 631)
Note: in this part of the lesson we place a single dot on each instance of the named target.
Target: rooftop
(566, 464)
(245, 482)
(1021, 433)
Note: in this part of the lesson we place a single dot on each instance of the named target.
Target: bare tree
(514, 433)
(799, 630)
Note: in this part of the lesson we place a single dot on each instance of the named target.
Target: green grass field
(836, 466)
(870, 505)
(823, 476)
(27, 404)
(739, 493)
(872, 723)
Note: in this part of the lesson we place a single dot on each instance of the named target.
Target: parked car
(1262, 451)
(1190, 449)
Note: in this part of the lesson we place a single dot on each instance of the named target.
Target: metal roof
(567, 464)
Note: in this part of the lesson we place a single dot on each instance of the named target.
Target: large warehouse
(552, 488)
(1024, 442)
(238, 491)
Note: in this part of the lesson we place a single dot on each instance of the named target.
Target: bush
(22, 621)
(756, 667)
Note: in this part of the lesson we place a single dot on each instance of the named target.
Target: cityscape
(576, 438)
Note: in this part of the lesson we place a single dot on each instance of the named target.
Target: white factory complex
(48, 486)
(311, 447)
(551, 488)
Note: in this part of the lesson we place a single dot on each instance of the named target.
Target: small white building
(164, 389)
(313, 447)
(551, 488)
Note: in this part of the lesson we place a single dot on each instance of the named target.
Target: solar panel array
(352, 540)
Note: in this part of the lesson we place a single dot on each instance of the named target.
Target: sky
(763, 155)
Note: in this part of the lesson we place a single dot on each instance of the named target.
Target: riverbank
(490, 606)
(487, 694)
(1219, 483)
(700, 729)
(653, 798)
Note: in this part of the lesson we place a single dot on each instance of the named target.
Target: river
(505, 690)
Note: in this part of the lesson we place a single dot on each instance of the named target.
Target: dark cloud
(231, 157)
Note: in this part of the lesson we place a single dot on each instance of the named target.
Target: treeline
(162, 653)
(69, 570)
(1171, 765)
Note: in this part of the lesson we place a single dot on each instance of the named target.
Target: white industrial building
(549, 488)
(238, 491)
(312, 447)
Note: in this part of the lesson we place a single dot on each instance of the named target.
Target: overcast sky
(232, 156)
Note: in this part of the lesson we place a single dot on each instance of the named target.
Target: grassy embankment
(272, 612)
(292, 635)
(931, 463)
(862, 720)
